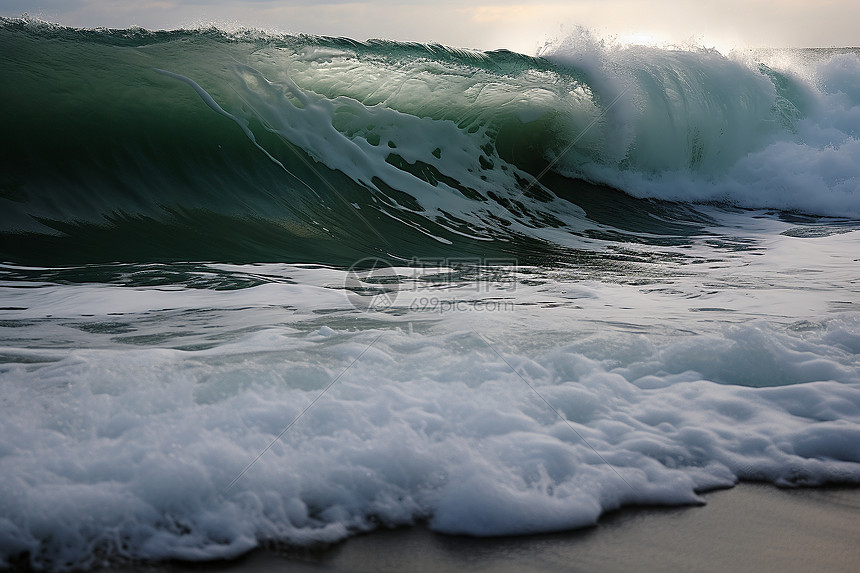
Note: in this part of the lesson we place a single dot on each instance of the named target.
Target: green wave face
(113, 151)
(133, 145)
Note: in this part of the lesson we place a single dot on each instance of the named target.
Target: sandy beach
(752, 527)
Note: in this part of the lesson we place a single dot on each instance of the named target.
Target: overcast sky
(520, 25)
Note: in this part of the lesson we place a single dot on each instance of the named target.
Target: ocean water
(280, 290)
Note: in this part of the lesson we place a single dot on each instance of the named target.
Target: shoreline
(751, 527)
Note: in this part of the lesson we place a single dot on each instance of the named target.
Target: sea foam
(161, 453)
(695, 125)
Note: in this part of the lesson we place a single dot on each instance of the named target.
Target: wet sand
(752, 527)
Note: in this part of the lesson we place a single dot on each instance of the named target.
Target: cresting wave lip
(380, 143)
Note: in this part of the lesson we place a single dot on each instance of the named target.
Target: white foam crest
(841, 74)
(132, 452)
(693, 125)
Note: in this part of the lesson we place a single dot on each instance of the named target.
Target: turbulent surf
(265, 289)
